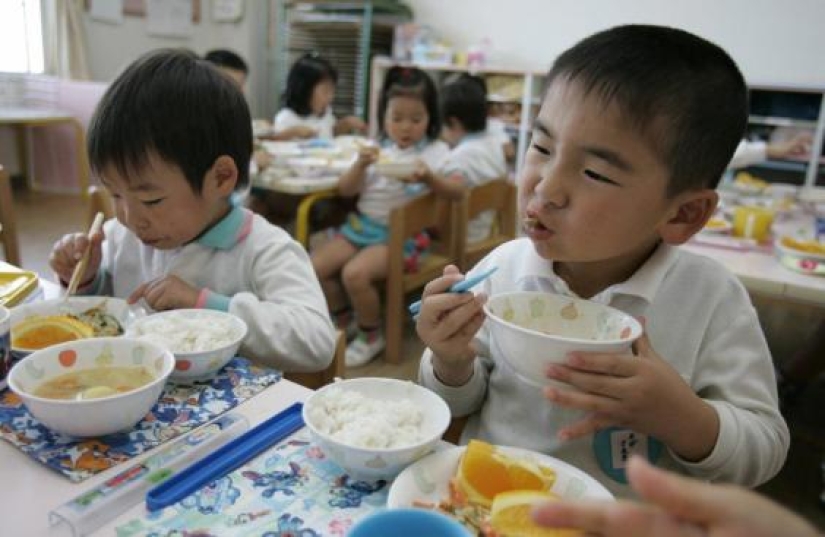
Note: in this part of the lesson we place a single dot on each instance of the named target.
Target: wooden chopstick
(80, 268)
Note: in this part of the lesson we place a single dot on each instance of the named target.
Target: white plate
(428, 478)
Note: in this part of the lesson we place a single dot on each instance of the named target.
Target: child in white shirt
(636, 127)
(178, 240)
(307, 111)
(478, 154)
(351, 265)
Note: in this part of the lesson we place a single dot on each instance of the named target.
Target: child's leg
(328, 260)
(359, 277)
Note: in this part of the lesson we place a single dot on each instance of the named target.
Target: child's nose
(551, 187)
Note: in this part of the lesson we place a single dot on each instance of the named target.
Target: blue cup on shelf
(408, 522)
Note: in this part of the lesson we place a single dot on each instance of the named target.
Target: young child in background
(477, 155)
(307, 111)
(178, 241)
(634, 132)
(351, 264)
(230, 64)
(234, 67)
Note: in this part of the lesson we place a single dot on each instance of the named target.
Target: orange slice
(485, 471)
(809, 247)
(510, 515)
(40, 332)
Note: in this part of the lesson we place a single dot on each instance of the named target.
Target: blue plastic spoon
(459, 287)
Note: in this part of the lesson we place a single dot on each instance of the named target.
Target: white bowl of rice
(203, 341)
(375, 427)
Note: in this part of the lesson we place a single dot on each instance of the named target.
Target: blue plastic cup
(408, 523)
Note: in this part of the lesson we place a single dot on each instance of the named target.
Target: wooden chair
(335, 369)
(427, 211)
(99, 201)
(8, 224)
(499, 196)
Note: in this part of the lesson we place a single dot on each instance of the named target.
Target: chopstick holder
(226, 458)
(91, 510)
(459, 287)
(80, 268)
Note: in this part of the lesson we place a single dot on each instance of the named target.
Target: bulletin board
(137, 8)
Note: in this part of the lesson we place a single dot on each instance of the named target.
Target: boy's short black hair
(410, 82)
(464, 98)
(172, 104)
(222, 57)
(304, 75)
(684, 94)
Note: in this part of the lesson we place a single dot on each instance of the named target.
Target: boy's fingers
(137, 294)
(684, 498)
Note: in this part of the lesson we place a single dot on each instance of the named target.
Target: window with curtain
(21, 37)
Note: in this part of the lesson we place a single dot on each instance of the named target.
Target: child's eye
(152, 202)
(542, 150)
(599, 177)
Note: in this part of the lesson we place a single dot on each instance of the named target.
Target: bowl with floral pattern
(92, 387)
(532, 330)
(375, 427)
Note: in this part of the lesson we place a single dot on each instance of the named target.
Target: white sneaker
(361, 352)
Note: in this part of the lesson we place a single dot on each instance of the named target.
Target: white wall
(113, 46)
(773, 41)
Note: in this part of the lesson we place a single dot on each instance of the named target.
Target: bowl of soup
(41, 324)
(532, 330)
(92, 387)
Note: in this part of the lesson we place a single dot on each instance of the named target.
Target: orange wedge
(485, 471)
(510, 515)
(40, 332)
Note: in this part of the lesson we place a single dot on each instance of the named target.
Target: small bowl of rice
(203, 341)
(375, 427)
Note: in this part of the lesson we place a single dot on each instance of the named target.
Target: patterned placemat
(291, 489)
(180, 409)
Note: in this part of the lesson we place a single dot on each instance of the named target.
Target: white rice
(360, 421)
(181, 333)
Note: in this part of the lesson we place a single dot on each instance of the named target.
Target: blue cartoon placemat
(291, 489)
(180, 409)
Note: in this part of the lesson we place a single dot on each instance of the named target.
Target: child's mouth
(534, 228)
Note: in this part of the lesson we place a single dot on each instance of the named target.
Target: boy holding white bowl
(635, 129)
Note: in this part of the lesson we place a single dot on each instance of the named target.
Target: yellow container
(752, 222)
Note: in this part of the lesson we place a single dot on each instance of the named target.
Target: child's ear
(223, 175)
(691, 211)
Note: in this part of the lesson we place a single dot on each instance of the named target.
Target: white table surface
(762, 273)
(30, 490)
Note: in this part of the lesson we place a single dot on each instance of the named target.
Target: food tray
(15, 286)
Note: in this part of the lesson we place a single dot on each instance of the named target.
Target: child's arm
(352, 181)
(296, 132)
(289, 325)
(349, 125)
(451, 187)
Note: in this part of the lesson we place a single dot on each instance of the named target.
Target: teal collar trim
(232, 229)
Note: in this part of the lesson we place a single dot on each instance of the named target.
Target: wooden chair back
(430, 212)
(499, 196)
(8, 223)
(321, 378)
